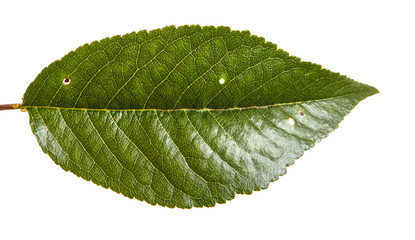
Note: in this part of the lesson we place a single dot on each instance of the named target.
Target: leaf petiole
(9, 106)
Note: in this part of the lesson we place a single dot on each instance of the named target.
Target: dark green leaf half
(187, 116)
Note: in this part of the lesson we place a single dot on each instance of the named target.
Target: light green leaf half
(185, 117)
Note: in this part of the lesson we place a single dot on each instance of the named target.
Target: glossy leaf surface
(187, 116)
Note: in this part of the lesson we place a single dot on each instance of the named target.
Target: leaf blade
(191, 140)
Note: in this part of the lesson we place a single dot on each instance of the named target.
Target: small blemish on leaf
(291, 121)
(221, 81)
(66, 81)
(301, 113)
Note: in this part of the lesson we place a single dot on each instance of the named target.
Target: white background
(357, 184)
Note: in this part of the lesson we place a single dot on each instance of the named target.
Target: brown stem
(9, 106)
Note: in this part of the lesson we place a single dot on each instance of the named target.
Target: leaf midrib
(202, 109)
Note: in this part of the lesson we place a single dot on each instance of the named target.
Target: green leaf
(185, 117)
